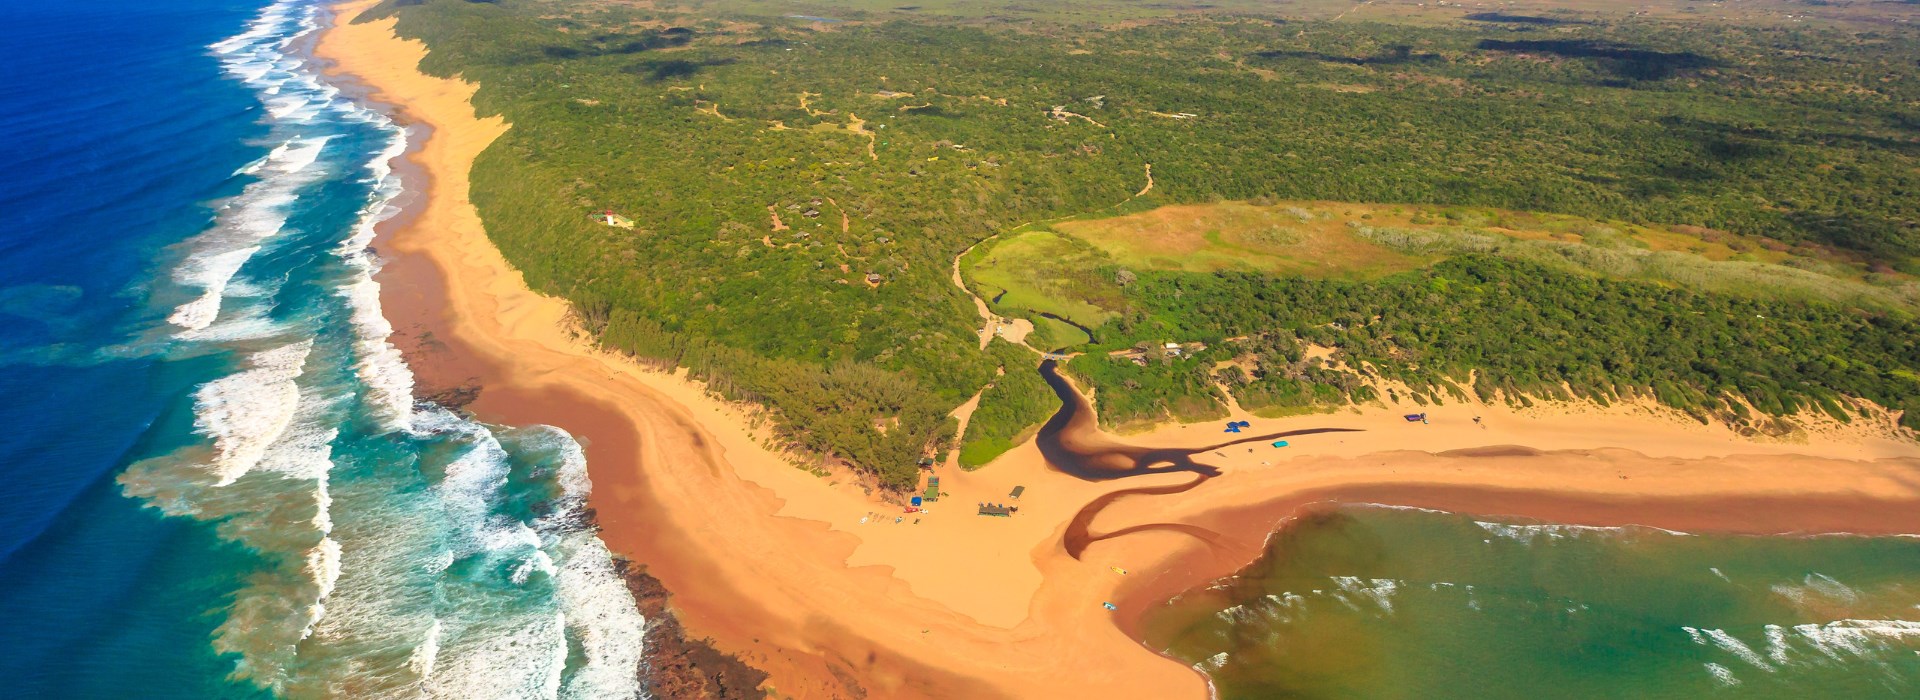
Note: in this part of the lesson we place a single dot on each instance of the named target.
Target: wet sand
(777, 566)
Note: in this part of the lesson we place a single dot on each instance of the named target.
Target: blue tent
(916, 501)
(1281, 443)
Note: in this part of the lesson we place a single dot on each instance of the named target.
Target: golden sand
(776, 565)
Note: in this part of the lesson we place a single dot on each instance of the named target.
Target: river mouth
(1071, 442)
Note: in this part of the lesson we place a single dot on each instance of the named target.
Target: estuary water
(218, 482)
(1378, 602)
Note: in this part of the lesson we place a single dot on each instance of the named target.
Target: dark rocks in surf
(674, 665)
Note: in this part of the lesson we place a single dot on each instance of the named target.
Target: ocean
(1379, 602)
(219, 482)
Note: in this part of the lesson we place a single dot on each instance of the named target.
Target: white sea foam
(424, 656)
(209, 272)
(602, 615)
(522, 661)
(1722, 674)
(247, 411)
(1832, 642)
(1527, 533)
(1734, 646)
(1378, 591)
(387, 379)
(304, 449)
(240, 228)
(1857, 638)
(1389, 506)
(374, 591)
(380, 366)
(1211, 663)
(323, 565)
(1817, 588)
(1777, 644)
(570, 471)
(323, 507)
(255, 57)
(301, 155)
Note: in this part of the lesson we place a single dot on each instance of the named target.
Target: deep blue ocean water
(216, 482)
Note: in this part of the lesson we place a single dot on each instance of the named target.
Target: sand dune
(775, 564)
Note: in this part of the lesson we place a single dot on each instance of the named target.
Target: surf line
(1070, 442)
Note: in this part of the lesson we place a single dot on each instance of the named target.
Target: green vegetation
(1275, 377)
(1288, 240)
(1522, 329)
(1136, 396)
(1010, 409)
(1044, 272)
(1320, 240)
(771, 165)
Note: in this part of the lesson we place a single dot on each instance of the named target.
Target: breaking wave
(1552, 531)
(404, 550)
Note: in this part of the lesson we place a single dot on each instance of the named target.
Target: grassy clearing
(1286, 240)
(1331, 240)
(1041, 271)
(1050, 334)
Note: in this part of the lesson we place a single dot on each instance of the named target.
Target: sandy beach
(836, 593)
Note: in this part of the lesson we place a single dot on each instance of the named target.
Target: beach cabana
(933, 488)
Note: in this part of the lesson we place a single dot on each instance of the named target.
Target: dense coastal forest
(1517, 330)
(791, 185)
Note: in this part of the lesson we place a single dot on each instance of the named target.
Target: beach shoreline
(813, 581)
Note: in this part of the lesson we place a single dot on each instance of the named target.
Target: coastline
(776, 566)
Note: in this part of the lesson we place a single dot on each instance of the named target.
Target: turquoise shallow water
(1397, 603)
(219, 483)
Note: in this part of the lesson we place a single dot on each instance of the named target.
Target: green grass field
(1042, 271)
(1073, 275)
(1285, 240)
